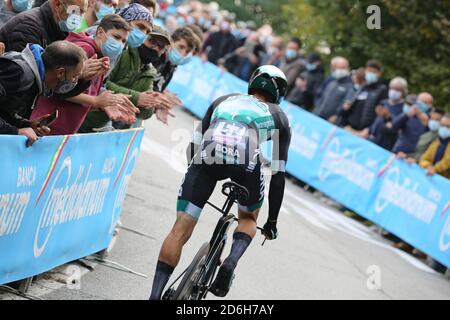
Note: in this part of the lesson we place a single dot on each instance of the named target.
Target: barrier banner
(61, 198)
(356, 173)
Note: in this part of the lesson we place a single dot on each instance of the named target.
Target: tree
(413, 42)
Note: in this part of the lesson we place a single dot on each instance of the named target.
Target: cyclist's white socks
(162, 275)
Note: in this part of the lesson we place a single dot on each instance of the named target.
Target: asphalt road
(320, 254)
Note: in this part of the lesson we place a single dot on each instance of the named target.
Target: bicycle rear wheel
(192, 275)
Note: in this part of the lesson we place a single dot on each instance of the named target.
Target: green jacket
(424, 142)
(130, 78)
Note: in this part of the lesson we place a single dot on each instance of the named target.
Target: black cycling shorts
(200, 182)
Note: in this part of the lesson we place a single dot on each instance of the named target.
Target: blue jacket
(330, 100)
(410, 131)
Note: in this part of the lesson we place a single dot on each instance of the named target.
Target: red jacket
(70, 115)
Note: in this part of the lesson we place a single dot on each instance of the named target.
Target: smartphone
(49, 120)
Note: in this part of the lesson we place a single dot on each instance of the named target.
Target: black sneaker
(222, 283)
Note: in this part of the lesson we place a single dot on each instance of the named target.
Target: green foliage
(414, 40)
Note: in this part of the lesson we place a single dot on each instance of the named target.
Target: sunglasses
(158, 44)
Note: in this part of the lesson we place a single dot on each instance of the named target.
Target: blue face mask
(371, 77)
(406, 108)
(290, 54)
(310, 66)
(177, 58)
(444, 133)
(422, 106)
(136, 38)
(181, 21)
(22, 5)
(71, 24)
(112, 48)
(434, 125)
(103, 11)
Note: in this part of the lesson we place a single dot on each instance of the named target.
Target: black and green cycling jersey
(239, 124)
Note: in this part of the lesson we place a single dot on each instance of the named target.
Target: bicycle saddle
(236, 191)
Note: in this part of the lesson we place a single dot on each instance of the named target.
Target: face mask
(422, 106)
(21, 5)
(406, 108)
(148, 55)
(181, 21)
(65, 86)
(71, 24)
(371, 77)
(394, 95)
(191, 20)
(103, 11)
(357, 87)
(434, 125)
(310, 66)
(225, 26)
(290, 54)
(340, 73)
(136, 38)
(444, 133)
(112, 48)
(177, 58)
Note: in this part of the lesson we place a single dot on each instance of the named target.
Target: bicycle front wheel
(192, 275)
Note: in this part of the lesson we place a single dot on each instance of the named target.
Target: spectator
(96, 10)
(112, 34)
(412, 124)
(332, 94)
(292, 63)
(150, 5)
(44, 25)
(274, 53)
(247, 57)
(427, 138)
(26, 75)
(381, 132)
(437, 157)
(359, 114)
(220, 43)
(308, 83)
(199, 33)
(133, 75)
(184, 43)
(10, 8)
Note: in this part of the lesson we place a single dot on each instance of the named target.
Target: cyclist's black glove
(270, 230)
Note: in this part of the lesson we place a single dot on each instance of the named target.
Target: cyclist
(227, 145)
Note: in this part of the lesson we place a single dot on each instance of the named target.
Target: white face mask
(340, 73)
(394, 95)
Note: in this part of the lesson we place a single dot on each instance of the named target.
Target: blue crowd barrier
(358, 174)
(61, 198)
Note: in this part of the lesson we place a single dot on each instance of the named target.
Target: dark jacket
(218, 45)
(20, 85)
(33, 26)
(165, 71)
(410, 131)
(305, 98)
(292, 69)
(332, 97)
(362, 112)
(382, 133)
